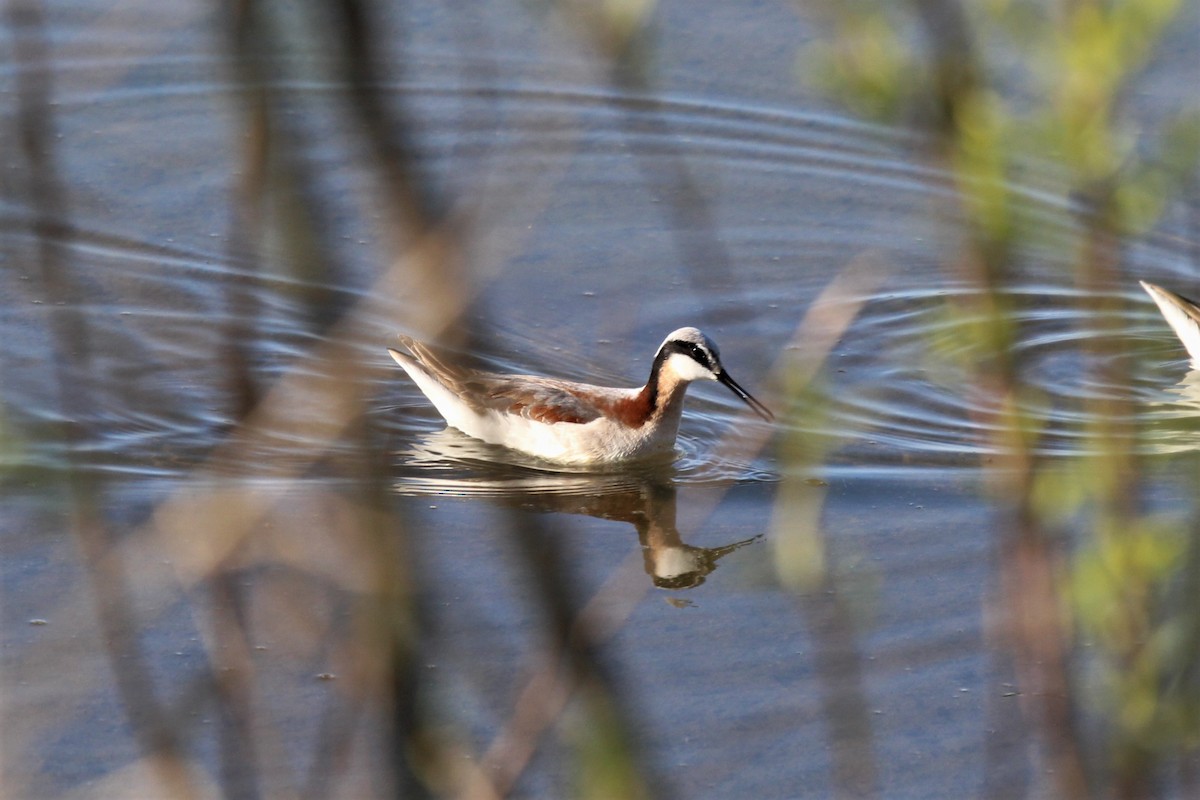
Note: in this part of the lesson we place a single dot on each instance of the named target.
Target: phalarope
(1182, 314)
(568, 422)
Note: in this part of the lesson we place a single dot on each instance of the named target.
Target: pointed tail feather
(403, 359)
(1182, 315)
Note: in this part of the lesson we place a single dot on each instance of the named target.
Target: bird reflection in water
(448, 463)
(649, 505)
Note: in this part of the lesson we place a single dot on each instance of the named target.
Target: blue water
(726, 194)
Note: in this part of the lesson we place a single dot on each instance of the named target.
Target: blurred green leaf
(606, 767)
(867, 64)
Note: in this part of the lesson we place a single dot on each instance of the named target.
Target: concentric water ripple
(166, 304)
(925, 408)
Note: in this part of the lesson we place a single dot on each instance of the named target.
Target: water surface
(725, 195)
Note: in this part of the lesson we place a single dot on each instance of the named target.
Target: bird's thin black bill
(749, 400)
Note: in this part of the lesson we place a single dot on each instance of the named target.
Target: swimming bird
(568, 422)
(1182, 314)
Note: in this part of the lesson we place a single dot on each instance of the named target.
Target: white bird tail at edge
(1182, 314)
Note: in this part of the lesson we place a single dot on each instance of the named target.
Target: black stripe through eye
(692, 351)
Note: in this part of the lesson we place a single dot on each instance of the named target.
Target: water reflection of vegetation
(1096, 596)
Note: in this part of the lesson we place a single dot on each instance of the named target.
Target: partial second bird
(568, 422)
(1182, 314)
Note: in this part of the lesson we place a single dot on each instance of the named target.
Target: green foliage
(1052, 118)
(868, 65)
(605, 765)
(798, 546)
(982, 162)
(1128, 592)
(797, 538)
(10, 449)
